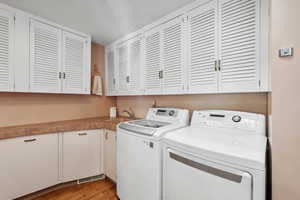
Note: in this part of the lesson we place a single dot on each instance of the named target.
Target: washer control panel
(171, 115)
(229, 119)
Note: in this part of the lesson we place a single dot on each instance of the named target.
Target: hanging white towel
(97, 86)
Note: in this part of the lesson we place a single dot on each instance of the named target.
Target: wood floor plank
(98, 190)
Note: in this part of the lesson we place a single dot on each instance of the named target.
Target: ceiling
(105, 20)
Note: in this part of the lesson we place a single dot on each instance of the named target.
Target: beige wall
(285, 32)
(17, 109)
(252, 102)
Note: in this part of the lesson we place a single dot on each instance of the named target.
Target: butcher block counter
(61, 126)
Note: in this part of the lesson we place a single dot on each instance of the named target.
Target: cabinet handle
(127, 79)
(82, 134)
(106, 135)
(64, 75)
(160, 74)
(216, 65)
(59, 75)
(30, 140)
(219, 65)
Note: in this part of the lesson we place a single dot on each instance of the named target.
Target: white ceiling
(105, 20)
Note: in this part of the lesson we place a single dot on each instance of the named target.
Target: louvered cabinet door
(111, 72)
(122, 64)
(75, 65)
(45, 58)
(135, 66)
(152, 67)
(239, 45)
(202, 49)
(6, 50)
(173, 75)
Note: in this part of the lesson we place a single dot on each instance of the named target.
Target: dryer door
(189, 177)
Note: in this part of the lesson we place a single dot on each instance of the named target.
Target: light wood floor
(99, 190)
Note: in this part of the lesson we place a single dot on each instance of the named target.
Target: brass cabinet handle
(216, 65)
(30, 140)
(82, 134)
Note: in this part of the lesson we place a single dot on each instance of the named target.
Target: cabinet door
(28, 164)
(202, 48)
(110, 148)
(239, 36)
(75, 64)
(6, 50)
(81, 154)
(135, 66)
(152, 69)
(173, 63)
(45, 58)
(122, 63)
(111, 72)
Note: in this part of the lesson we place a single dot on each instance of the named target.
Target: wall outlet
(286, 52)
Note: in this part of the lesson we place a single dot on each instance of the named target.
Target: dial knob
(171, 113)
(236, 118)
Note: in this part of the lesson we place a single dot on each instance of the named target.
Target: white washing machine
(220, 156)
(139, 154)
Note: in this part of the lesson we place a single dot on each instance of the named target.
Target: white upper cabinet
(202, 49)
(45, 58)
(173, 57)
(37, 55)
(164, 71)
(59, 60)
(239, 49)
(122, 63)
(76, 70)
(152, 67)
(135, 66)
(111, 72)
(6, 50)
(214, 46)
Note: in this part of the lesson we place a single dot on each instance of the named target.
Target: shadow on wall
(248, 102)
(23, 108)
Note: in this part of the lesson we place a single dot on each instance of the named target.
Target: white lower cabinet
(28, 164)
(110, 168)
(81, 154)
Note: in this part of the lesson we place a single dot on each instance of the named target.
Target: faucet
(129, 112)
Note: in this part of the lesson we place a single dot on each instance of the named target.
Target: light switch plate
(286, 52)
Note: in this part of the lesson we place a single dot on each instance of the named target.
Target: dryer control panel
(230, 119)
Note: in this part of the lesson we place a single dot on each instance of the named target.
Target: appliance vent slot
(90, 179)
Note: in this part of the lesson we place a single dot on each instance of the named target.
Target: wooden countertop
(60, 126)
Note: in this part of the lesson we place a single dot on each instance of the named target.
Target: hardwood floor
(99, 190)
